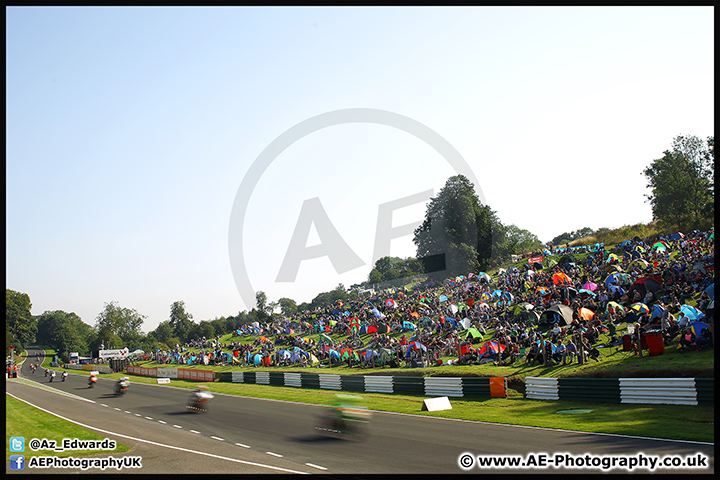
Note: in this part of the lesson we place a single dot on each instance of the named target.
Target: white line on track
(194, 431)
(160, 421)
(138, 415)
(315, 466)
(149, 418)
(274, 454)
(126, 411)
(242, 445)
(177, 426)
(217, 438)
(212, 455)
(118, 409)
(103, 405)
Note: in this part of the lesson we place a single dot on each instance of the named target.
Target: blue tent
(698, 328)
(334, 353)
(369, 354)
(657, 311)
(710, 290)
(691, 312)
(377, 313)
(407, 326)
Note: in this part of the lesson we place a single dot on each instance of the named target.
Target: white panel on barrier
(163, 380)
(262, 378)
(378, 384)
(329, 382)
(443, 386)
(293, 379)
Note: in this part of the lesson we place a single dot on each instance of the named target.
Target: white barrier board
(436, 404)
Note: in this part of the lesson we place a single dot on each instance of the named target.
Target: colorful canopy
(561, 278)
(640, 307)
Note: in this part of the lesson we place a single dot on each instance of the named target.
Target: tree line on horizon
(458, 235)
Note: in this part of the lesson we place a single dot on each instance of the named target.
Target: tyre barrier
(477, 387)
(671, 391)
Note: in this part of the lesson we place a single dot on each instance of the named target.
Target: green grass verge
(22, 420)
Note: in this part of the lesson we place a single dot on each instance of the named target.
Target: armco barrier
(678, 391)
(443, 387)
(329, 381)
(380, 384)
(478, 387)
(671, 391)
(705, 388)
(589, 389)
(540, 388)
(262, 378)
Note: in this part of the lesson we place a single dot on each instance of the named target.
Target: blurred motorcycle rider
(122, 384)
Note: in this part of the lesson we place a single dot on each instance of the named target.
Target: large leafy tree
(288, 306)
(516, 241)
(66, 331)
(180, 321)
(391, 268)
(682, 184)
(119, 327)
(20, 325)
(458, 234)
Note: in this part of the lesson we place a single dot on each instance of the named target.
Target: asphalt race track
(251, 436)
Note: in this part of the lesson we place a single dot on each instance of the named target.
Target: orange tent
(560, 277)
(586, 314)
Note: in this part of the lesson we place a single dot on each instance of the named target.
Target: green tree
(20, 325)
(163, 333)
(205, 329)
(682, 184)
(66, 331)
(288, 306)
(119, 326)
(220, 325)
(261, 300)
(180, 321)
(517, 241)
(328, 298)
(375, 276)
(458, 234)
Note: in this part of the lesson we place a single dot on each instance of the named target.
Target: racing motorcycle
(199, 400)
(92, 381)
(121, 387)
(347, 417)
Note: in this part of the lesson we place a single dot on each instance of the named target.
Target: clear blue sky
(130, 130)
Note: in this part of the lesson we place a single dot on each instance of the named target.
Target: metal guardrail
(403, 385)
(671, 391)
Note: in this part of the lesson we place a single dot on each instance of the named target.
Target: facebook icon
(17, 462)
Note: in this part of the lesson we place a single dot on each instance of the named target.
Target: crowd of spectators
(514, 305)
